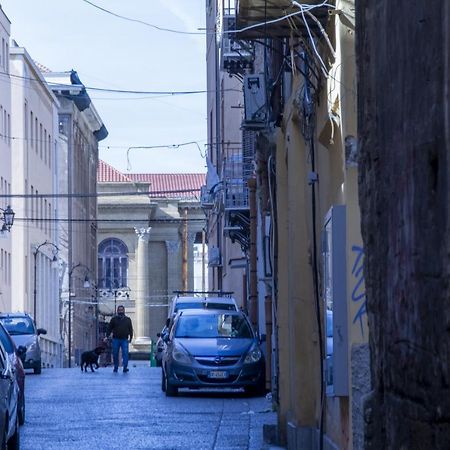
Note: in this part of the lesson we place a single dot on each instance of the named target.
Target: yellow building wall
(300, 377)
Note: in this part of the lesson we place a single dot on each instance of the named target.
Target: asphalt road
(68, 409)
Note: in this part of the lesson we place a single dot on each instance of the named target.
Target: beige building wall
(5, 166)
(36, 281)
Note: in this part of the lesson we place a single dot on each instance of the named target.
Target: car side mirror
(41, 331)
(5, 375)
(158, 335)
(21, 350)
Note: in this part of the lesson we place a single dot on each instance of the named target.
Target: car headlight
(32, 347)
(180, 355)
(253, 356)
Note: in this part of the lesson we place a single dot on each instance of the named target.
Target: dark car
(21, 328)
(9, 398)
(14, 355)
(208, 349)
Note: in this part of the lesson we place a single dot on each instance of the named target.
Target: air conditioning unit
(255, 102)
(214, 257)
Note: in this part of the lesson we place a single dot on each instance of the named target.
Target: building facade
(5, 166)
(148, 224)
(80, 130)
(304, 290)
(34, 172)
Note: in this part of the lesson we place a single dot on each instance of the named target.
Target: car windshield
(204, 305)
(213, 326)
(18, 325)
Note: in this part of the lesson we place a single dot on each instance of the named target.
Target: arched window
(112, 264)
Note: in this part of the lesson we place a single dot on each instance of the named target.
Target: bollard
(152, 354)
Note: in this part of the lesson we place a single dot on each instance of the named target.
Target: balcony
(252, 12)
(237, 169)
(235, 56)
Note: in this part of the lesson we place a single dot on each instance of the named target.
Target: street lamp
(86, 284)
(54, 265)
(8, 218)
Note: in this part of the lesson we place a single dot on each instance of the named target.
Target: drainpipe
(185, 252)
(253, 282)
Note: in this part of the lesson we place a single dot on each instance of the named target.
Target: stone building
(141, 220)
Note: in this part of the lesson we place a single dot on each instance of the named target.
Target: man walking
(121, 329)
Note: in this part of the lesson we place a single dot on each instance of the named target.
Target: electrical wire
(142, 22)
(102, 194)
(68, 87)
(168, 146)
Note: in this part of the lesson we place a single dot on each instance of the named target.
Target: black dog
(91, 358)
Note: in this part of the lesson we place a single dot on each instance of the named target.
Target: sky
(110, 52)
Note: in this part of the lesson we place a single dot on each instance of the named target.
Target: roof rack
(218, 293)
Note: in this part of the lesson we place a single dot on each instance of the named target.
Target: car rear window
(213, 326)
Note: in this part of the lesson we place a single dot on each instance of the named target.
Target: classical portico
(144, 233)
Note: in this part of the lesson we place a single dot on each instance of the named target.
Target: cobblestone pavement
(68, 409)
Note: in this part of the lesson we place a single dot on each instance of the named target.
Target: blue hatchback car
(212, 349)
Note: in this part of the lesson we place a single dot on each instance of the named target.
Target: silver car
(9, 399)
(21, 328)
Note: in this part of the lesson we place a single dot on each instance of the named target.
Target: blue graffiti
(359, 291)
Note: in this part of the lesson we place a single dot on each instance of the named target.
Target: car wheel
(37, 369)
(171, 390)
(21, 410)
(14, 441)
(258, 389)
(163, 381)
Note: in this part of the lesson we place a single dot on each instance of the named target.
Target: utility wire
(102, 194)
(68, 87)
(142, 22)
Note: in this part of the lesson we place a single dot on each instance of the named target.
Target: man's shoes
(126, 369)
(115, 370)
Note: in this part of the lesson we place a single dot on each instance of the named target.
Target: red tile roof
(166, 185)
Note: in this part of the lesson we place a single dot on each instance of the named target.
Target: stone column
(142, 322)
(173, 269)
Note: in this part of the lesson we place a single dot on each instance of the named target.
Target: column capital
(172, 246)
(143, 233)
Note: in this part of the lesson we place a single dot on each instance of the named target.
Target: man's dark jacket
(121, 327)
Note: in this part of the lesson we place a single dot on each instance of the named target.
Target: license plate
(218, 374)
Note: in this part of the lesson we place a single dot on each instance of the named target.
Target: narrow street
(67, 409)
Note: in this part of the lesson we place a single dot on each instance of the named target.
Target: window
(40, 139)
(36, 133)
(45, 146)
(32, 203)
(112, 264)
(31, 129)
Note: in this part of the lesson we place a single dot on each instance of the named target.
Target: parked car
(198, 300)
(14, 355)
(212, 348)
(21, 328)
(9, 395)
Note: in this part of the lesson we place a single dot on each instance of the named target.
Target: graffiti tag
(359, 290)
